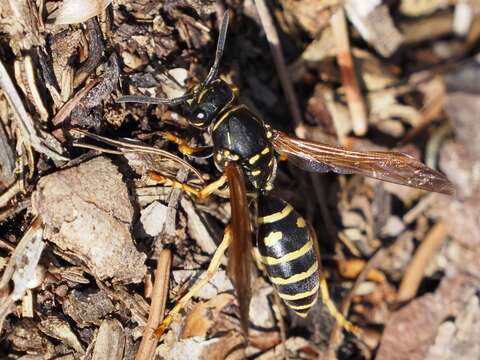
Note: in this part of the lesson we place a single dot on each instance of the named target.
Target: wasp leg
(201, 193)
(184, 148)
(327, 300)
(212, 269)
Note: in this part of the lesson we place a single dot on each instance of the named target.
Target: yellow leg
(183, 147)
(324, 293)
(327, 300)
(212, 269)
(201, 194)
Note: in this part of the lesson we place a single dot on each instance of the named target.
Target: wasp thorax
(209, 103)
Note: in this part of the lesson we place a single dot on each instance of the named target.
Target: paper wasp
(244, 150)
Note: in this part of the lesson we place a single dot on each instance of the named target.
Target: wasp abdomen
(288, 253)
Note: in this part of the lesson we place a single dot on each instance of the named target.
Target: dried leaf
(76, 11)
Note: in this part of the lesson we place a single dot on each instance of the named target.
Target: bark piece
(87, 212)
(87, 307)
(110, 342)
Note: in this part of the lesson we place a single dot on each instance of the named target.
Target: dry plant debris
(93, 254)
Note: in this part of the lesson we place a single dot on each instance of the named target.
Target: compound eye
(199, 118)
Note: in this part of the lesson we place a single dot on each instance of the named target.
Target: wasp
(245, 150)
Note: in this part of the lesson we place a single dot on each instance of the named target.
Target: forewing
(239, 256)
(388, 166)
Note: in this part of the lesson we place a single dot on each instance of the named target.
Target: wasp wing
(239, 256)
(388, 166)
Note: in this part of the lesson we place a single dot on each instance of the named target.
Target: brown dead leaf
(204, 315)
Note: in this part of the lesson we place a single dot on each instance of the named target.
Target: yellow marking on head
(272, 238)
(265, 151)
(276, 216)
(297, 277)
(268, 260)
(301, 295)
(219, 157)
(301, 222)
(253, 159)
(226, 153)
(303, 307)
(256, 172)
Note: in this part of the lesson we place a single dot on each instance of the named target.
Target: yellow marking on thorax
(301, 295)
(229, 139)
(276, 216)
(202, 94)
(265, 151)
(268, 260)
(303, 307)
(224, 116)
(256, 172)
(253, 159)
(272, 238)
(297, 277)
(301, 222)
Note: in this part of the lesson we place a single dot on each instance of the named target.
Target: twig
(95, 52)
(28, 67)
(276, 49)
(6, 245)
(10, 193)
(149, 342)
(428, 114)
(424, 203)
(7, 159)
(434, 142)
(416, 269)
(21, 268)
(169, 224)
(15, 209)
(66, 109)
(25, 121)
(356, 104)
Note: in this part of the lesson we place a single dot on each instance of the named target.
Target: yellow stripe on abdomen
(268, 260)
(275, 216)
(300, 295)
(295, 278)
(303, 307)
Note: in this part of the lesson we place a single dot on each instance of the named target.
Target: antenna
(212, 74)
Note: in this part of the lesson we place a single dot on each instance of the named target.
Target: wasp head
(208, 102)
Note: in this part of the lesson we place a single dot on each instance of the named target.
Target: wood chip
(81, 205)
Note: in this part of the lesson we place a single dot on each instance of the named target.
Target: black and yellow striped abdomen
(288, 253)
